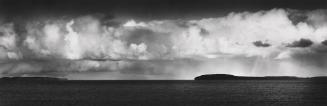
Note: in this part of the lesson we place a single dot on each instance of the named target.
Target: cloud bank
(270, 42)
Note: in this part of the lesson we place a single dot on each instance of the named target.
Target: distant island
(232, 77)
(27, 79)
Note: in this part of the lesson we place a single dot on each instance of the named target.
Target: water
(228, 92)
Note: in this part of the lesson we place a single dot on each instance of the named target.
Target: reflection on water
(228, 92)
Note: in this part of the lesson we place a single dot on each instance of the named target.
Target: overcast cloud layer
(262, 43)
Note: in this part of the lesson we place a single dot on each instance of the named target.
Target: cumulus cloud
(87, 37)
(261, 35)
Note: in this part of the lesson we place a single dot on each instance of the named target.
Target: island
(232, 77)
(29, 79)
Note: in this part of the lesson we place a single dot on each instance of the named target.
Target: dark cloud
(261, 44)
(301, 43)
(204, 32)
(312, 59)
(297, 16)
(324, 42)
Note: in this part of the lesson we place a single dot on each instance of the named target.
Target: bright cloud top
(87, 37)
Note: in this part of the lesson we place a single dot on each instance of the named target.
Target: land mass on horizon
(201, 77)
(232, 77)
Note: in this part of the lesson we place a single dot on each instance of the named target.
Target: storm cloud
(88, 43)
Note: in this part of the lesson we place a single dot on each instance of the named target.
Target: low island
(232, 77)
(29, 79)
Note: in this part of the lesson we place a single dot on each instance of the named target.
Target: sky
(162, 40)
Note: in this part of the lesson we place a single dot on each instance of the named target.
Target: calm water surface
(227, 92)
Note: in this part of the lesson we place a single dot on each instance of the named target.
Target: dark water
(153, 93)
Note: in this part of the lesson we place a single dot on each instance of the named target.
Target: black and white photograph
(163, 52)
